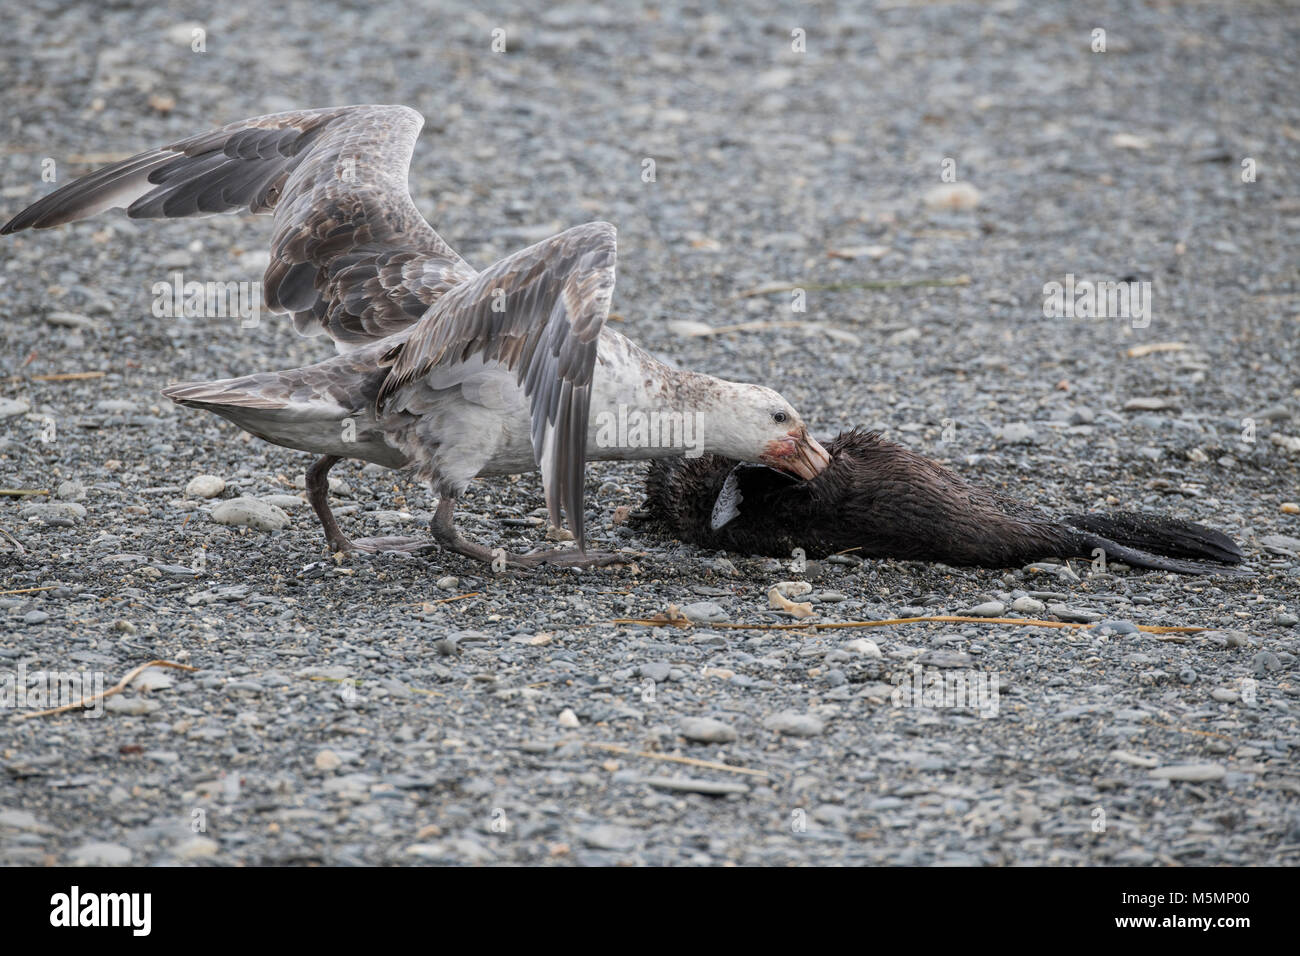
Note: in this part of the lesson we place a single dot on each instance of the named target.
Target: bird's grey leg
(318, 489)
(445, 533)
(444, 530)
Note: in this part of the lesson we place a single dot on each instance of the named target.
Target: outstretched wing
(539, 313)
(351, 256)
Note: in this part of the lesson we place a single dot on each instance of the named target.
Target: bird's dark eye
(779, 418)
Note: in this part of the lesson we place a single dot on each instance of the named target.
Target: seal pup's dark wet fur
(877, 499)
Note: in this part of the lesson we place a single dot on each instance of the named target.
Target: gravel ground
(341, 715)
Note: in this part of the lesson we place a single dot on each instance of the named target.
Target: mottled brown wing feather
(538, 312)
(351, 256)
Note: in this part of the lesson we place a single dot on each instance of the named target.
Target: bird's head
(759, 425)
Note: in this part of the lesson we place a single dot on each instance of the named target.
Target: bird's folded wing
(539, 313)
(351, 256)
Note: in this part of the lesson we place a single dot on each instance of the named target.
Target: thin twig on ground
(67, 376)
(669, 758)
(662, 621)
(772, 287)
(115, 689)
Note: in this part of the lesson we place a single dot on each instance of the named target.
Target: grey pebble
(47, 510)
(131, 706)
(250, 513)
(100, 854)
(1067, 613)
(9, 407)
(1017, 433)
(205, 486)
(704, 611)
(657, 671)
(285, 502)
(608, 836)
(1266, 661)
(71, 490)
(20, 820)
(795, 724)
(693, 785)
(1192, 772)
(706, 730)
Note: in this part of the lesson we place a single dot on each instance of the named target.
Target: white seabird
(449, 372)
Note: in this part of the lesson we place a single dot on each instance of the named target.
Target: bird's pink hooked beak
(797, 454)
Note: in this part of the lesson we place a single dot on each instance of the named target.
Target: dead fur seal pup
(877, 499)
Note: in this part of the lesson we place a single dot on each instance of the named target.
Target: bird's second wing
(539, 313)
(351, 256)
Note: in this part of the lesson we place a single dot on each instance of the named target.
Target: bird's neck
(642, 408)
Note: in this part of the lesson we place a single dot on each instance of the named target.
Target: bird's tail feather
(324, 408)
